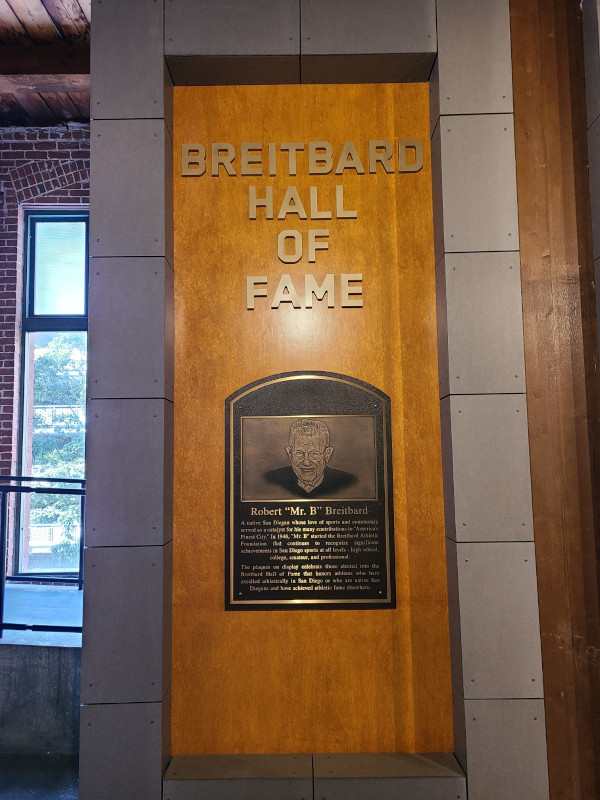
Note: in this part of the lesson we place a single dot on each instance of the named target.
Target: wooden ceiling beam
(44, 84)
(45, 68)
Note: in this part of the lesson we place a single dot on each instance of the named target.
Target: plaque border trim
(389, 601)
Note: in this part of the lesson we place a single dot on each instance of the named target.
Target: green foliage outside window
(58, 439)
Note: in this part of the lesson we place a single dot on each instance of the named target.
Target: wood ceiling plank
(11, 29)
(86, 9)
(37, 110)
(82, 103)
(35, 19)
(62, 106)
(44, 83)
(69, 18)
(11, 112)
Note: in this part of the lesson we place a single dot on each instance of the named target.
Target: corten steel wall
(41, 168)
(499, 706)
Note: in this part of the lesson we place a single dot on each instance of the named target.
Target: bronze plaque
(309, 517)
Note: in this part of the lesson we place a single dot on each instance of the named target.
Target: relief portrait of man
(309, 452)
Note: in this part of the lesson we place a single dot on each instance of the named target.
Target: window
(53, 384)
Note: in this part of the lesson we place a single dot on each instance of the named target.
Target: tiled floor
(26, 777)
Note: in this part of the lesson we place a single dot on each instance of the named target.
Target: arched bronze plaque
(309, 516)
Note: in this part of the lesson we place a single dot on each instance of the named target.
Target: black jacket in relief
(333, 481)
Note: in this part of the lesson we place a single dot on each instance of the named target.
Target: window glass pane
(54, 439)
(59, 270)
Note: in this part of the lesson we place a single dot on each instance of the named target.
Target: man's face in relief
(308, 456)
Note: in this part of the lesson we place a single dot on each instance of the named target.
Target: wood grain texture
(11, 29)
(35, 108)
(62, 106)
(309, 681)
(35, 19)
(561, 351)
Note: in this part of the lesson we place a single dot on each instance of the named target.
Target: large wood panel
(307, 681)
(561, 354)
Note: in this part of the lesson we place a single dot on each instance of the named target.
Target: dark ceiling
(44, 61)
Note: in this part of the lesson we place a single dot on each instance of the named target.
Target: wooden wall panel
(307, 681)
(561, 354)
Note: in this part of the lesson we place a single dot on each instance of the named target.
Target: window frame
(41, 323)
(48, 322)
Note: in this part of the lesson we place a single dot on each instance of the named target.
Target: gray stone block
(127, 81)
(479, 190)
(131, 187)
(244, 28)
(122, 748)
(388, 776)
(130, 328)
(480, 325)
(126, 624)
(475, 66)
(378, 26)
(490, 469)
(506, 746)
(129, 496)
(499, 621)
(243, 777)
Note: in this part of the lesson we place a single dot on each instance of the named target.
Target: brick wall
(39, 168)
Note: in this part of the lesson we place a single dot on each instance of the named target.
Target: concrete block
(506, 743)
(126, 68)
(245, 777)
(479, 190)
(499, 621)
(244, 28)
(388, 776)
(131, 165)
(122, 747)
(130, 472)
(126, 624)
(378, 26)
(474, 57)
(490, 469)
(39, 699)
(130, 338)
(480, 328)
